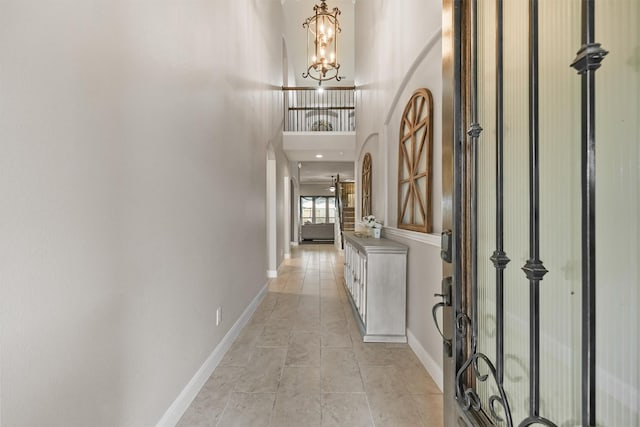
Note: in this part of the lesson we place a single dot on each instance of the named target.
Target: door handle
(446, 302)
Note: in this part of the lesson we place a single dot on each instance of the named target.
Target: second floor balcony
(319, 121)
(310, 109)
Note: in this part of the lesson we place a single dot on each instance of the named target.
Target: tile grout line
(330, 296)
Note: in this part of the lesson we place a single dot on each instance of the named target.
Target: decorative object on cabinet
(414, 163)
(373, 225)
(375, 277)
(370, 221)
(366, 185)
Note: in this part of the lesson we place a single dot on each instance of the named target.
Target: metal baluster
(321, 111)
(325, 103)
(474, 133)
(534, 268)
(353, 111)
(586, 63)
(499, 256)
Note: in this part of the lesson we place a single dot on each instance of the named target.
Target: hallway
(300, 361)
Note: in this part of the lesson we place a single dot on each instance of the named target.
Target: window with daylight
(366, 185)
(317, 209)
(414, 163)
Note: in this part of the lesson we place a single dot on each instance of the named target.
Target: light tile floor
(301, 362)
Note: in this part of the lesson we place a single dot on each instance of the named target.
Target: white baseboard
(287, 256)
(272, 274)
(427, 361)
(294, 243)
(186, 396)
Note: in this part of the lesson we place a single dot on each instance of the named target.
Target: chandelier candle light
(322, 44)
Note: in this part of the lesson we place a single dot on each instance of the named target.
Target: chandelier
(322, 44)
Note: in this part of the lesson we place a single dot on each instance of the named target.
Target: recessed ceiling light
(319, 156)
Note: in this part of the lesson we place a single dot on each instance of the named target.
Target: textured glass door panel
(618, 214)
(516, 205)
(559, 140)
(486, 188)
(560, 212)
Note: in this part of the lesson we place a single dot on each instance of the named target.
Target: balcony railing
(306, 109)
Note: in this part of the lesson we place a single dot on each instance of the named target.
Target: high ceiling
(295, 13)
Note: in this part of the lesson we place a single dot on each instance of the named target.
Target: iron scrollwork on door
(472, 366)
(468, 397)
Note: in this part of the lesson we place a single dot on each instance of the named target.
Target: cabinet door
(386, 294)
(362, 292)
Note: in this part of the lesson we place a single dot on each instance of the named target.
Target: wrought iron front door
(520, 330)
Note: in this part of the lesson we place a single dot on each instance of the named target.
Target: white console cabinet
(375, 272)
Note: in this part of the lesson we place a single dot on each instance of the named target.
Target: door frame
(453, 354)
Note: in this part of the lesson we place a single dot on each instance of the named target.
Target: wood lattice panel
(366, 185)
(414, 163)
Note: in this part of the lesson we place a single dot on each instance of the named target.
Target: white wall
(315, 189)
(282, 171)
(133, 139)
(398, 50)
(295, 202)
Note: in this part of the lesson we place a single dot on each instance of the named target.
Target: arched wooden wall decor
(366, 185)
(414, 163)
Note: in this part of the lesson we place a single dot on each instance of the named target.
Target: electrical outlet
(218, 316)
